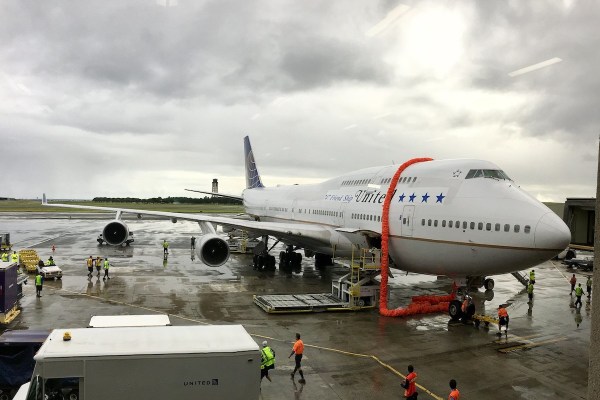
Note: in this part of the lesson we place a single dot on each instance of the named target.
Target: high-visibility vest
(4, 257)
(502, 312)
(530, 288)
(50, 262)
(268, 358)
(98, 262)
(412, 386)
(90, 262)
(165, 244)
(15, 257)
(106, 264)
(589, 282)
(532, 276)
(38, 280)
(578, 291)
(454, 395)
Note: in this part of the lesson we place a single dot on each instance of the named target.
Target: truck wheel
(455, 310)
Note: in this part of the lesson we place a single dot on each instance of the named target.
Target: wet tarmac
(349, 355)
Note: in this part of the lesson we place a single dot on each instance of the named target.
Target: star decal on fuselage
(425, 197)
(401, 198)
(440, 197)
(411, 198)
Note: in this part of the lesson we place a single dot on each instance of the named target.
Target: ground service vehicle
(152, 362)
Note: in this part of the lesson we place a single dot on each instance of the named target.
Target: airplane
(460, 218)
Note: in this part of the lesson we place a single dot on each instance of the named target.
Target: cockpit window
(487, 173)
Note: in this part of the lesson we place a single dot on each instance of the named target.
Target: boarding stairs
(521, 278)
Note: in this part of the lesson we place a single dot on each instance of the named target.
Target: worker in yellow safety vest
(50, 261)
(14, 256)
(106, 267)
(5, 257)
(578, 294)
(267, 361)
(532, 277)
(39, 282)
(165, 247)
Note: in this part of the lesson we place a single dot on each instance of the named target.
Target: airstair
(521, 278)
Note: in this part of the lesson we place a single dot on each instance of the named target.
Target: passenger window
(450, 224)
(428, 222)
(497, 227)
(423, 222)
(378, 218)
(506, 228)
(480, 226)
(457, 225)
(435, 223)
(464, 224)
(443, 223)
(517, 228)
(472, 225)
(527, 229)
(488, 227)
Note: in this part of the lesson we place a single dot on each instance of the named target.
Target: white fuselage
(444, 218)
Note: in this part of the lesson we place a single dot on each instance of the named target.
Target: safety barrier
(419, 304)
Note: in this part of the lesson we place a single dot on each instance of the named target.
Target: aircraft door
(407, 220)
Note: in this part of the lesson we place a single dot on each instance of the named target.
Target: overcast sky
(145, 98)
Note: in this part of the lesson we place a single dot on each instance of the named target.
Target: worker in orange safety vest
(503, 317)
(409, 385)
(454, 393)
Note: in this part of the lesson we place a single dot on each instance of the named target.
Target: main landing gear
(289, 259)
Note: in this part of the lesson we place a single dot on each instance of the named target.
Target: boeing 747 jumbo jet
(459, 218)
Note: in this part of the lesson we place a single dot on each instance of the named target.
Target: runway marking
(531, 345)
(373, 357)
(519, 337)
(38, 243)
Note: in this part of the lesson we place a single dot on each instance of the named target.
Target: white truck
(155, 362)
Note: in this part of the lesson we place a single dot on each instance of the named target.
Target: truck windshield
(35, 389)
(487, 173)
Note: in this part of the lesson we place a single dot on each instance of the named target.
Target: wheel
(360, 303)
(454, 310)
(489, 284)
(570, 255)
(296, 259)
(270, 262)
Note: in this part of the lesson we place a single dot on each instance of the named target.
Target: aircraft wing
(288, 232)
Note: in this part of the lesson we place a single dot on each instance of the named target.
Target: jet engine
(115, 232)
(212, 250)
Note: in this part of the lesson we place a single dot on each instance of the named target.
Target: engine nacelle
(212, 250)
(115, 232)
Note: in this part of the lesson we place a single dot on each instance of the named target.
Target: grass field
(36, 206)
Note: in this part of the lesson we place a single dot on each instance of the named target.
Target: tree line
(169, 200)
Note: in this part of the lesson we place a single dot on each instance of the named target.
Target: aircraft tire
(455, 310)
(489, 284)
(296, 259)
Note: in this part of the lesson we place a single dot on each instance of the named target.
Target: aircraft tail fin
(252, 175)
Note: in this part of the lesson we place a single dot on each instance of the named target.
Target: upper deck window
(487, 173)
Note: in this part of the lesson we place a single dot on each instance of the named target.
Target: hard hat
(264, 343)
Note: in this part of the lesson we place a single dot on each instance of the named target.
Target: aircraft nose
(552, 233)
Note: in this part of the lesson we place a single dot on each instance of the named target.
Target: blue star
(425, 197)
(401, 199)
(440, 198)
(411, 198)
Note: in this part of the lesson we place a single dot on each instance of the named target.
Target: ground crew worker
(298, 351)
(98, 263)
(90, 266)
(409, 385)
(193, 243)
(503, 317)
(588, 283)
(50, 261)
(573, 282)
(165, 247)
(5, 257)
(14, 256)
(532, 277)
(267, 361)
(39, 283)
(53, 248)
(106, 267)
(530, 291)
(578, 294)
(454, 393)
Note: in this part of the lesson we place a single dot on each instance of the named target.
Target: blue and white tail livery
(252, 177)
